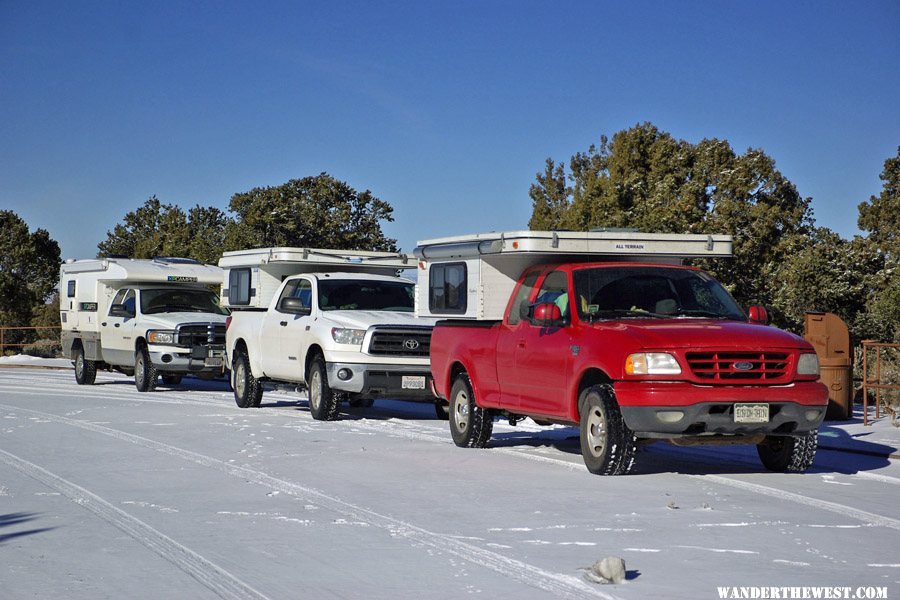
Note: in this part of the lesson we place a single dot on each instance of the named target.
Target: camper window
(239, 287)
(447, 288)
(70, 291)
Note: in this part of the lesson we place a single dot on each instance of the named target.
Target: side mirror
(547, 315)
(118, 310)
(293, 306)
(758, 314)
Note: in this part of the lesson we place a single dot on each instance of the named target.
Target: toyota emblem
(411, 344)
(742, 366)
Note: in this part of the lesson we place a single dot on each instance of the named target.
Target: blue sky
(444, 110)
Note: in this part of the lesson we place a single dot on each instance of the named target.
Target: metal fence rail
(876, 383)
(4, 336)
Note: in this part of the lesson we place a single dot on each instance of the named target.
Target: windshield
(180, 300)
(651, 292)
(348, 294)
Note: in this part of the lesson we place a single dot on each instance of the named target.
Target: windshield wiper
(623, 313)
(684, 312)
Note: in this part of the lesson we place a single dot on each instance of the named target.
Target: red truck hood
(704, 333)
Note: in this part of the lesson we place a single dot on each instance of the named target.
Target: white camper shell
(252, 277)
(120, 313)
(473, 276)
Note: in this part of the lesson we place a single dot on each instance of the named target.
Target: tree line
(641, 178)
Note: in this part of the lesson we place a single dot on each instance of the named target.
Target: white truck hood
(363, 319)
(170, 320)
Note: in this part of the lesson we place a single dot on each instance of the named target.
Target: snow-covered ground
(109, 493)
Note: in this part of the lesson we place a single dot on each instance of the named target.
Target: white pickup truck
(347, 336)
(142, 317)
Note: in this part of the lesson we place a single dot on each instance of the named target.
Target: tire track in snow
(561, 585)
(214, 577)
(401, 430)
(771, 492)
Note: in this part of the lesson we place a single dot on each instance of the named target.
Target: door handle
(116, 325)
(283, 323)
(103, 324)
(521, 343)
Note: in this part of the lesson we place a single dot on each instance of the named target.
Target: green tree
(880, 217)
(315, 211)
(29, 270)
(157, 229)
(646, 179)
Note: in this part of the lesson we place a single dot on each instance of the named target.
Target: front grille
(730, 366)
(396, 341)
(201, 334)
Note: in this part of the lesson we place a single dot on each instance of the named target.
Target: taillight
(227, 322)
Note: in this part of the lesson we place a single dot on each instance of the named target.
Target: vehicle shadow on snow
(663, 457)
(13, 519)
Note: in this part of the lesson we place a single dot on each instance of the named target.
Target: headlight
(348, 336)
(808, 364)
(652, 363)
(161, 337)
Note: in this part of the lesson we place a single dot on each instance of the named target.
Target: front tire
(145, 373)
(85, 370)
(470, 425)
(789, 454)
(323, 402)
(247, 389)
(607, 444)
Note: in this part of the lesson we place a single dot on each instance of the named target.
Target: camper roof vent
(175, 260)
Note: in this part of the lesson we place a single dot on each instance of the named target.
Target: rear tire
(323, 402)
(470, 425)
(171, 379)
(145, 373)
(607, 445)
(85, 370)
(247, 389)
(789, 454)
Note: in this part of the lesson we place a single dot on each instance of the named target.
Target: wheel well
(311, 353)
(589, 378)
(139, 343)
(240, 346)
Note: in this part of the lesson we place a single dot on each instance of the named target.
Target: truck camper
(610, 331)
(339, 323)
(142, 317)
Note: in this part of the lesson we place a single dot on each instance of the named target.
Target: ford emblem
(411, 344)
(742, 366)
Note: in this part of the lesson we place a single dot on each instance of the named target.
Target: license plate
(751, 413)
(413, 382)
(213, 361)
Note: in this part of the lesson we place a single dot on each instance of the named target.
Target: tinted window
(350, 294)
(447, 288)
(70, 291)
(298, 288)
(555, 289)
(617, 292)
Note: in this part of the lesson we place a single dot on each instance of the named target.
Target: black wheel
(171, 378)
(145, 373)
(607, 445)
(357, 402)
(442, 410)
(789, 454)
(470, 425)
(323, 402)
(247, 389)
(85, 370)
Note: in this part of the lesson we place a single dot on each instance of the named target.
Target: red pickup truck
(632, 351)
